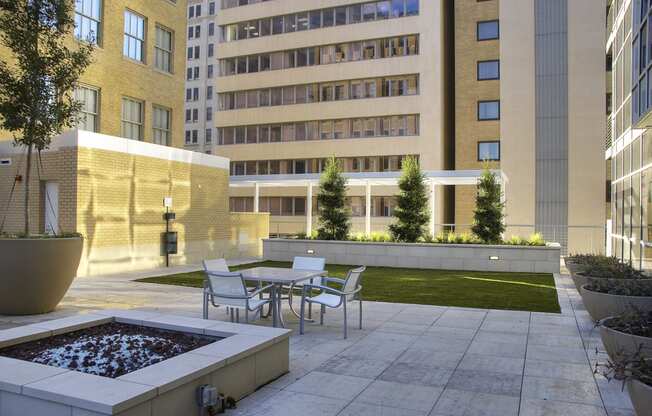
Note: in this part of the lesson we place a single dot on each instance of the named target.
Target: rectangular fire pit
(234, 358)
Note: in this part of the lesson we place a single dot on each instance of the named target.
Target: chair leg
(322, 310)
(247, 315)
(237, 315)
(232, 315)
(345, 324)
(205, 306)
(360, 313)
(301, 314)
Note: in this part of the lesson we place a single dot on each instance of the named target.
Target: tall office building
(517, 84)
(201, 73)
(134, 87)
(629, 139)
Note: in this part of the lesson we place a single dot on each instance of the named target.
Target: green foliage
(375, 237)
(456, 238)
(38, 81)
(304, 236)
(634, 321)
(334, 216)
(488, 216)
(592, 259)
(621, 287)
(612, 271)
(411, 210)
(535, 239)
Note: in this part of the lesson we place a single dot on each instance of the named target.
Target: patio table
(279, 277)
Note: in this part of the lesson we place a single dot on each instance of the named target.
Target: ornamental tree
(38, 78)
(411, 210)
(488, 216)
(334, 216)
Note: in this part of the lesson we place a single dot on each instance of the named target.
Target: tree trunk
(28, 171)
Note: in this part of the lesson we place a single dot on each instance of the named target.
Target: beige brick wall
(468, 91)
(117, 76)
(115, 200)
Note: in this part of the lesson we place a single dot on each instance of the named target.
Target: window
(209, 113)
(195, 135)
(89, 99)
(134, 37)
(87, 20)
(211, 8)
(488, 70)
(211, 29)
(489, 110)
(488, 151)
(188, 94)
(488, 30)
(132, 119)
(191, 12)
(188, 133)
(208, 138)
(209, 71)
(211, 50)
(161, 125)
(209, 92)
(195, 94)
(163, 50)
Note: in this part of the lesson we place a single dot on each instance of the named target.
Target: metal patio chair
(334, 298)
(229, 289)
(306, 263)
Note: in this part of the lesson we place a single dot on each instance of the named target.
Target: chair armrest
(333, 279)
(258, 291)
(324, 288)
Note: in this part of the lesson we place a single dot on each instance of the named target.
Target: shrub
(334, 216)
(488, 215)
(411, 210)
(620, 287)
(634, 322)
(536, 239)
(612, 271)
(627, 368)
(592, 259)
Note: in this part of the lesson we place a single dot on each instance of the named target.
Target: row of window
(192, 94)
(194, 11)
(192, 137)
(317, 19)
(381, 206)
(321, 92)
(192, 115)
(227, 4)
(302, 166)
(389, 126)
(132, 118)
(194, 31)
(322, 55)
(88, 20)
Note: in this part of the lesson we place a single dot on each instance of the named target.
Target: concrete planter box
(619, 344)
(478, 257)
(603, 305)
(641, 395)
(580, 279)
(247, 358)
(36, 273)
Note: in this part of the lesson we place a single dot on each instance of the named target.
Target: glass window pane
(488, 30)
(488, 70)
(488, 110)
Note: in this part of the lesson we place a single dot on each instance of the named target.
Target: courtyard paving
(409, 360)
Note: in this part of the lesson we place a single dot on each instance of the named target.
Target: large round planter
(580, 279)
(641, 395)
(622, 345)
(572, 266)
(602, 305)
(36, 273)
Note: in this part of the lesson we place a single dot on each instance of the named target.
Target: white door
(51, 205)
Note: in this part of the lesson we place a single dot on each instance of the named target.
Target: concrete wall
(425, 256)
(112, 191)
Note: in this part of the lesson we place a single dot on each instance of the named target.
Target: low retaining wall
(425, 256)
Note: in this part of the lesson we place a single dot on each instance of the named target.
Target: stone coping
(110, 396)
(443, 245)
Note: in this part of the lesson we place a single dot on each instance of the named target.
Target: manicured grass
(493, 290)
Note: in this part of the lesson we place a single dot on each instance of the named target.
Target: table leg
(274, 303)
(279, 305)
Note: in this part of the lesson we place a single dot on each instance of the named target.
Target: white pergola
(361, 179)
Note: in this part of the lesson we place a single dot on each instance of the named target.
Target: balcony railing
(608, 140)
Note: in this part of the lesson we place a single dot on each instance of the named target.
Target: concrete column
(368, 209)
(433, 216)
(309, 210)
(256, 197)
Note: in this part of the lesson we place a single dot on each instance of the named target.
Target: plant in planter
(612, 297)
(618, 271)
(636, 374)
(628, 335)
(36, 103)
(577, 262)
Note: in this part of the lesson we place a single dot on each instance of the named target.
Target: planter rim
(40, 239)
(583, 274)
(602, 321)
(635, 380)
(609, 294)
(493, 246)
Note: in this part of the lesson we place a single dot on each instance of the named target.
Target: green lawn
(494, 290)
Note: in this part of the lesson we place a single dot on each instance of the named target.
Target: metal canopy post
(309, 210)
(433, 200)
(367, 223)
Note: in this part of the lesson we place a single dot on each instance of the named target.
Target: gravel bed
(108, 350)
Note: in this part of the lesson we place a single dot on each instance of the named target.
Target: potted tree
(37, 82)
(612, 297)
(627, 335)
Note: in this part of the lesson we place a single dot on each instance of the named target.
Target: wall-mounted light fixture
(310, 251)
(494, 258)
